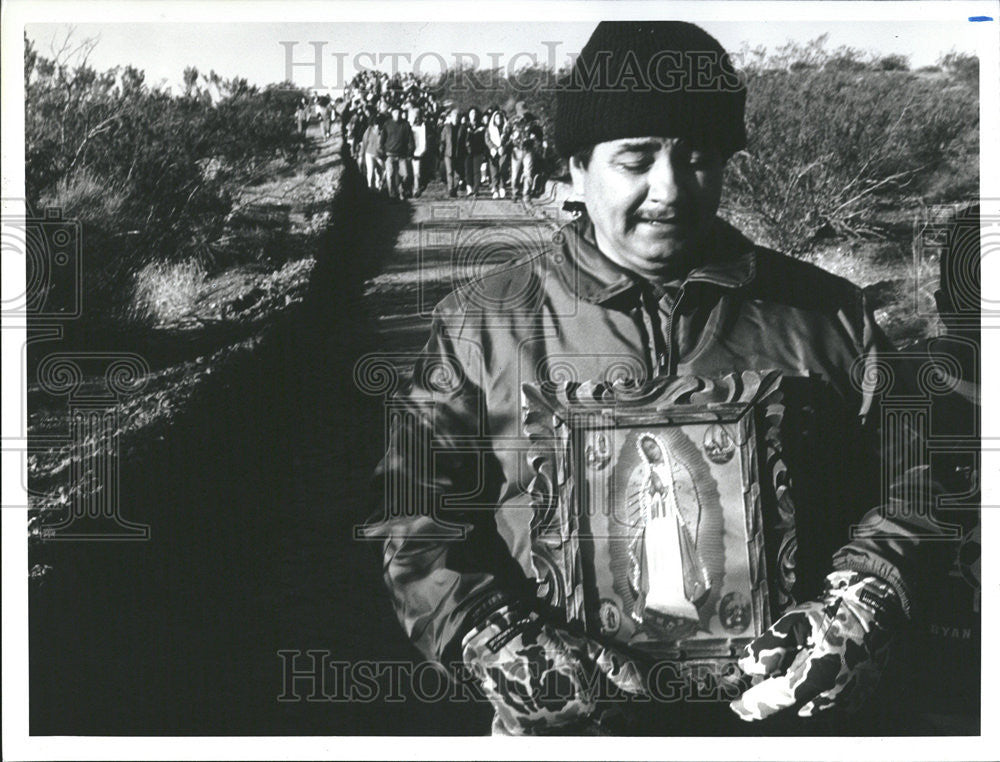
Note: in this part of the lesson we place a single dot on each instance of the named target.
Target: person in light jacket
(419, 128)
(374, 168)
(496, 156)
(449, 146)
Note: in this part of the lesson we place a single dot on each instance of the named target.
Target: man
(522, 136)
(356, 133)
(450, 148)
(374, 170)
(472, 137)
(301, 117)
(648, 278)
(419, 128)
(396, 144)
(326, 119)
(346, 115)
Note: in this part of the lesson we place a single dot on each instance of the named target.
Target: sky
(261, 51)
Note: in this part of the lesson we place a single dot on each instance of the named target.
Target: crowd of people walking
(402, 139)
(321, 109)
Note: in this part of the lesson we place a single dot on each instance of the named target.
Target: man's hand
(539, 678)
(822, 654)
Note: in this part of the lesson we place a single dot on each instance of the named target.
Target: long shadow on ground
(252, 498)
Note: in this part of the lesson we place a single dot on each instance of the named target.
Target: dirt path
(444, 244)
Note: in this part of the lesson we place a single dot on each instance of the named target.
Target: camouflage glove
(822, 654)
(541, 679)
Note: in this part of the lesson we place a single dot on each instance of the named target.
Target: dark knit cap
(642, 78)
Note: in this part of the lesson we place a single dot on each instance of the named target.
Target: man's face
(395, 114)
(652, 201)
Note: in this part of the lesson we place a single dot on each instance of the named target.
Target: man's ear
(578, 173)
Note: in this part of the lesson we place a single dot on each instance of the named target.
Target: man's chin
(664, 256)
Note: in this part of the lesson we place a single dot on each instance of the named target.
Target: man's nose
(663, 180)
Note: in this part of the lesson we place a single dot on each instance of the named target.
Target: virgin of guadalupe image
(665, 571)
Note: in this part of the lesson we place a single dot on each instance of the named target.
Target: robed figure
(665, 571)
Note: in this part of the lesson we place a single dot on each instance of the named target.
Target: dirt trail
(444, 244)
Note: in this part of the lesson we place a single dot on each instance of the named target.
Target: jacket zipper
(670, 331)
(653, 355)
(656, 337)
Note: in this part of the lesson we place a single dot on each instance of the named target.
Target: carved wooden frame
(555, 417)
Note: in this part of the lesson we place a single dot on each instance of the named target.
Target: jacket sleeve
(899, 540)
(444, 564)
(493, 146)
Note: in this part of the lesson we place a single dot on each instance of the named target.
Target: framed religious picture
(647, 525)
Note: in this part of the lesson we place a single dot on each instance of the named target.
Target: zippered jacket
(456, 515)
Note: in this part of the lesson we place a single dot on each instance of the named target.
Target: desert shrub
(962, 67)
(846, 59)
(825, 146)
(894, 62)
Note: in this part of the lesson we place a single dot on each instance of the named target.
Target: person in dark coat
(396, 144)
(649, 289)
(473, 140)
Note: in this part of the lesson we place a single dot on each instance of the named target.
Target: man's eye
(634, 165)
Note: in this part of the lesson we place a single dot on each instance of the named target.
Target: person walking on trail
(396, 145)
(374, 169)
(419, 128)
(522, 136)
(359, 123)
(651, 286)
(473, 140)
(346, 113)
(496, 152)
(326, 119)
(449, 146)
(301, 117)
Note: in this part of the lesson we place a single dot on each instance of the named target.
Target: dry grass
(167, 292)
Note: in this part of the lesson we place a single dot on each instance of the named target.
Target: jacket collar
(731, 263)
